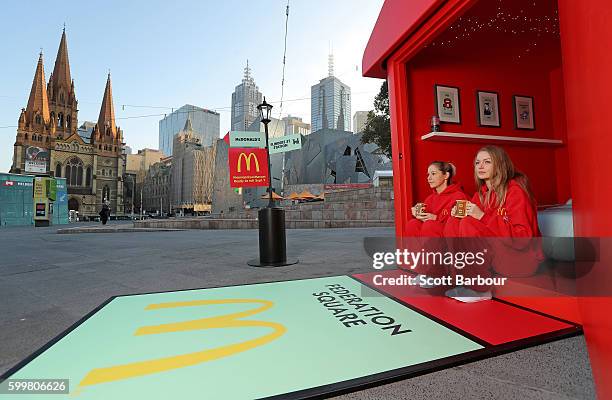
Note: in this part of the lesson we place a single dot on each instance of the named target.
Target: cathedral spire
(106, 120)
(61, 72)
(38, 103)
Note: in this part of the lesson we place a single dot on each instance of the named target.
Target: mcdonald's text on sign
(247, 139)
(248, 167)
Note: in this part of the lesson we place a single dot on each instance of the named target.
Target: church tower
(60, 91)
(34, 127)
(107, 136)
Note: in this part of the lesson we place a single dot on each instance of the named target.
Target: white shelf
(473, 137)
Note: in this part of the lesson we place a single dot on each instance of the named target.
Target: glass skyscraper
(206, 125)
(330, 103)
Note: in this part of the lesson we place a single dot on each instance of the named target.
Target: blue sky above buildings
(166, 54)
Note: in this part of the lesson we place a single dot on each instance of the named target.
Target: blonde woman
(502, 210)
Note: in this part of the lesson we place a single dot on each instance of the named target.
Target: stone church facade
(49, 141)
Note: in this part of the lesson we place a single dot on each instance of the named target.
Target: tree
(377, 129)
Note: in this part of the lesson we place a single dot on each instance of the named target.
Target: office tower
(206, 125)
(359, 120)
(245, 100)
(330, 102)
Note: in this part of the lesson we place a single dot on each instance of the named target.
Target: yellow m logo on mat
(118, 372)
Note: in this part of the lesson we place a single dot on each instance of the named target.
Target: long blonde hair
(503, 172)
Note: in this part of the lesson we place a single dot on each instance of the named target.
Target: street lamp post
(272, 238)
(265, 110)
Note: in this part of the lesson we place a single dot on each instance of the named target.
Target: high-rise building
(50, 142)
(295, 125)
(245, 100)
(276, 127)
(206, 125)
(157, 187)
(359, 120)
(330, 103)
(192, 172)
(136, 168)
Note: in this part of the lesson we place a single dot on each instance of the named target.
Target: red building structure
(551, 50)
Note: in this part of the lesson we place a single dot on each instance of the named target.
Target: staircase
(359, 208)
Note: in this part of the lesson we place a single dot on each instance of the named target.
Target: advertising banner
(285, 143)
(248, 167)
(243, 342)
(247, 139)
(36, 159)
(40, 188)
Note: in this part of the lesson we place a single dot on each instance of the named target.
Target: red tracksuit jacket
(516, 217)
(442, 203)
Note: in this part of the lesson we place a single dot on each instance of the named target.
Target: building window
(60, 120)
(61, 97)
(58, 170)
(74, 172)
(38, 119)
(88, 177)
(68, 121)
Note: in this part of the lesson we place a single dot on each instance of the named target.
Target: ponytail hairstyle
(446, 168)
(503, 172)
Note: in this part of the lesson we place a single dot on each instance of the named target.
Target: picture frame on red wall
(447, 104)
(487, 104)
(524, 112)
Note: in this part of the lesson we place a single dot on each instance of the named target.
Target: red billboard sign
(248, 167)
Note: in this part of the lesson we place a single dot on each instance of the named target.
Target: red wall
(471, 73)
(557, 101)
(587, 67)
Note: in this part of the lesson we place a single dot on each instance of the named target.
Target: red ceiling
(509, 30)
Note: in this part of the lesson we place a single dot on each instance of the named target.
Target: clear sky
(164, 54)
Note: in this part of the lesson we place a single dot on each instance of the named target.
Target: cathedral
(50, 142)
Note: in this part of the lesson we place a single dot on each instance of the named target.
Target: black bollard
(272, 242)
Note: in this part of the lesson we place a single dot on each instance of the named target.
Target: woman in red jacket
(503, 208)
(430, 222)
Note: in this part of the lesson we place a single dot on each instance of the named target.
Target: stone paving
(49, 281)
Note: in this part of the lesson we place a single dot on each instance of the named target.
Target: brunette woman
(431, 215)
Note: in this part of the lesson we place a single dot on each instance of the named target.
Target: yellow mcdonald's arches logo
(140, 368)
(247, 161)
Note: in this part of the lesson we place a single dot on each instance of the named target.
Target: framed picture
(487, 104)
(447, 104)
(524, 115)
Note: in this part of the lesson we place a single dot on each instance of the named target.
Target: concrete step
(209, 223)
(335, 215)
(330, 214)
(348, 204)
(379, 193)
(111, 229)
